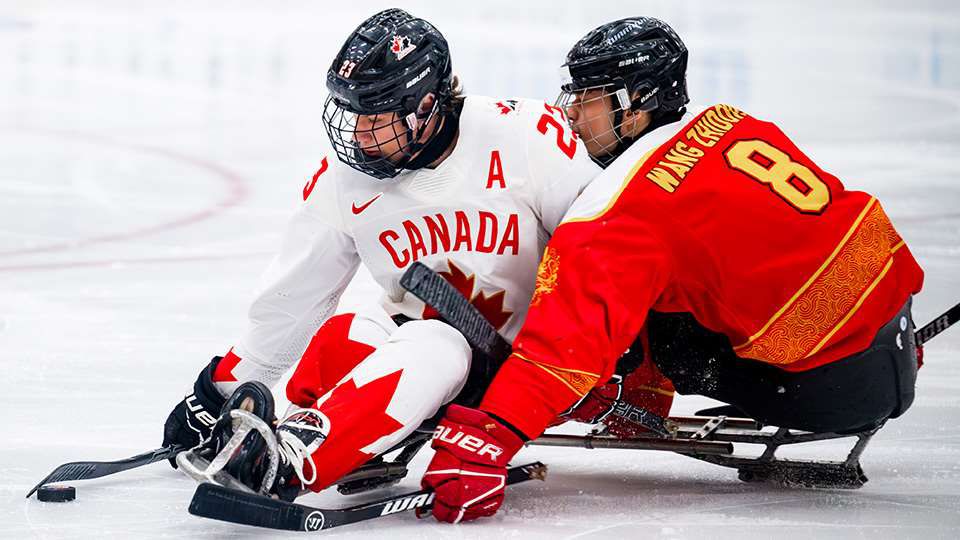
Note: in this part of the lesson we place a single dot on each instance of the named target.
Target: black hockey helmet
(639, 61)
(383, 71)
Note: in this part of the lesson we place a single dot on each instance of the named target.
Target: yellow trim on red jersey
(655, 390)
(579, 382)
(832, 296)
(813, 277)
(704, 130)
(856, 306)
(626, 182)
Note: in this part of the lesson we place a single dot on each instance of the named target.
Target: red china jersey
(725, 219)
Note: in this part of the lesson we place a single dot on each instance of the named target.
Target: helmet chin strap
(623, 142)
(430, 151)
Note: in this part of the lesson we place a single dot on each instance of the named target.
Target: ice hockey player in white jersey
(470, 186)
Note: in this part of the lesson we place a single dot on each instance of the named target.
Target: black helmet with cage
(383, 72)
(640, 63)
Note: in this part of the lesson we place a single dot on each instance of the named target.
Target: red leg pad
(330, 355)
(358, 417)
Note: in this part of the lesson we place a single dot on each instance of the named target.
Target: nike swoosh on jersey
(357, 209)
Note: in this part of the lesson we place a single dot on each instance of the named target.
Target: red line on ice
(235, 183)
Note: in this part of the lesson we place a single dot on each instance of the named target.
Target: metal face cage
(377, 144)
(578, 104)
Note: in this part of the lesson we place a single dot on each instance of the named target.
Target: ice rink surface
(150, 154)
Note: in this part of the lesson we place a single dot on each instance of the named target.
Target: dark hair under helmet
(640, 60)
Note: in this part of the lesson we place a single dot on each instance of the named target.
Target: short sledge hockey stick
(457, 311)
(934, 327)
(224, 504)
(85, 470)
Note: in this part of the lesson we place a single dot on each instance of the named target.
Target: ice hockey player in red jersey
(758, 278)
(470, 186)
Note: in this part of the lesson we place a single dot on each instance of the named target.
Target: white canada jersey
(481, 219)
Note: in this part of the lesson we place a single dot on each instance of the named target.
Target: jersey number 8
(793, 182)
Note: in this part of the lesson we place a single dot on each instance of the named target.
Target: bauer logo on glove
(467, 442)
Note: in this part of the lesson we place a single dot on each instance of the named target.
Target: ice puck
(56, 493)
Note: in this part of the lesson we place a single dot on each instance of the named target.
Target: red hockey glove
(624, 428)
(469, 470)
(596, 404)
(645, 388)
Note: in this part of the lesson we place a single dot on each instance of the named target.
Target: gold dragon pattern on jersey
(546, 275)
(828, 300)
(579, 382)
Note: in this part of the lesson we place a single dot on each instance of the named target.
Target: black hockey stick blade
(439, 294)
(937, 325)
(224, 504)
(85, 470)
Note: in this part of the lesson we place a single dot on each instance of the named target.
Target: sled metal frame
(711, 439)
(379, 473)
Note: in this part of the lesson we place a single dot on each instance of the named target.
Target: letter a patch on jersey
(495, 174)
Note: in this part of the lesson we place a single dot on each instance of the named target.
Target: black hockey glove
(192, 419)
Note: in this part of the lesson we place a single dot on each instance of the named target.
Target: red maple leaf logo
(358, 417)
(459, 279)
(397, 44)
(491, 307)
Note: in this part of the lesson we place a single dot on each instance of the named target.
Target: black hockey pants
(852, 394)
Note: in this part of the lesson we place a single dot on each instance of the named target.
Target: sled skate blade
(823, 475)
(846, 474)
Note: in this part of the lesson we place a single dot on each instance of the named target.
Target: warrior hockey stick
(216, 502)
(457, 311)
(85, 470)
(938, 325)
